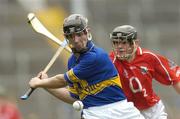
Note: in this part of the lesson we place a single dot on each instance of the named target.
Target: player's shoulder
(148, 54)
(72, 57)
(91, 55)
(96, 54)
(111, 54)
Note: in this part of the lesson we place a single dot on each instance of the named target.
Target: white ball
(78, 105)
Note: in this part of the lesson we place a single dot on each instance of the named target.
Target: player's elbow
(61, 81)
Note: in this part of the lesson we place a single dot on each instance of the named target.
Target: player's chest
(140, 71)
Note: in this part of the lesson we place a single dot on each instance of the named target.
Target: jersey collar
(139, 51)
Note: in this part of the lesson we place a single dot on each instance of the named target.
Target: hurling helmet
(124, 32)
(75, 23)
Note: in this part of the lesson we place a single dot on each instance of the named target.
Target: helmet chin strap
(128, 56)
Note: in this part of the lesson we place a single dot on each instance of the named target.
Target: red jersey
(137, 75)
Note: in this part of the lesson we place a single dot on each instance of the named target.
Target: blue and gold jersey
(93, 79)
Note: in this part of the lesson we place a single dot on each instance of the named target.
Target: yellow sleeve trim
(72, 76)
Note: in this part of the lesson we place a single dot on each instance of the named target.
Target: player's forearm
(54, 82)
(177, 87)
(57, 81)
(62, 94)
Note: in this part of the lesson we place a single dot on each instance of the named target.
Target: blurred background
(24, 53)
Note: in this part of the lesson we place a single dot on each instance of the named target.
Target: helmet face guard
(73, 29)
(124, 35)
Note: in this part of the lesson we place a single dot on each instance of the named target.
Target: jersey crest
(144, 70)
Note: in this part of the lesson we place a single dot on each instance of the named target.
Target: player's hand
(42, 75)
(35, 82)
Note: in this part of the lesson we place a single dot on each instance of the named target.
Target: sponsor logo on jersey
(144, 70)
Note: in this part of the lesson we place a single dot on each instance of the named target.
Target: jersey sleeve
(83, 69)
(166, 71)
